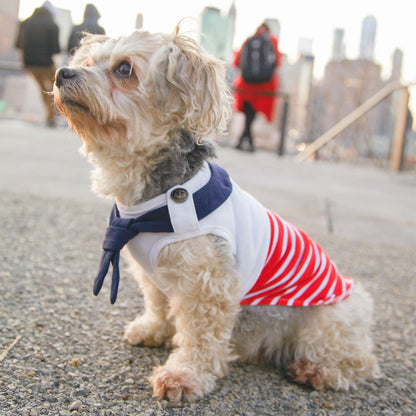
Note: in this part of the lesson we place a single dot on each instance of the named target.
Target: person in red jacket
(252, 98)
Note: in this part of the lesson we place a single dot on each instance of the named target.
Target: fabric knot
(117, 237)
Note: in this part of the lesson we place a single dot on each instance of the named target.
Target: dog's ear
(188, 88)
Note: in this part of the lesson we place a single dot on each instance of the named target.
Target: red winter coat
(253, 92)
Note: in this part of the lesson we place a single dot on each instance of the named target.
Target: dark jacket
(89, 24)
(38, 37)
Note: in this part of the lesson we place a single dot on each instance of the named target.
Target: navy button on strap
(120, 231)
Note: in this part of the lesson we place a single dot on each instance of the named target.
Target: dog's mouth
(74, 105)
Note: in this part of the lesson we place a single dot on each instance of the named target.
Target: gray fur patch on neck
(178, 163)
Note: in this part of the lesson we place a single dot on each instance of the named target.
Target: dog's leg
(321, 346)
(205, 304)
(153, 328)
(332, 347)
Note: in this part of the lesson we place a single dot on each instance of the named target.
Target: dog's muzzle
(64, 74)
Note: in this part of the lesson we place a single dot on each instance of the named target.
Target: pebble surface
(62, 350)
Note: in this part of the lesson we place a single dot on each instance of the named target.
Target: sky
(316, 20)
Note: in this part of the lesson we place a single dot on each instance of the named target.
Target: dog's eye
(124, 69)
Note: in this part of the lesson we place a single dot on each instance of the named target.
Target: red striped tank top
(296, 272)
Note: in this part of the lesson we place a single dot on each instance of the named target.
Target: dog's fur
(148, 129)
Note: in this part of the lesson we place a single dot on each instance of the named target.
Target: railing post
(347, 121)
(397, 151)
(281, 148)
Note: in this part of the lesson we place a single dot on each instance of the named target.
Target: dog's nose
(63, 74)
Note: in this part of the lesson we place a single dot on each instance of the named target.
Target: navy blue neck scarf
(121, 231)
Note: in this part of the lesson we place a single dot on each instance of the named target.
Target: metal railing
(396, 158)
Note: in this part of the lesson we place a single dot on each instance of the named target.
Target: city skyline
(153, 21)
(299, 19)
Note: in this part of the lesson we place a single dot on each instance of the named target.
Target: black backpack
(257, 60)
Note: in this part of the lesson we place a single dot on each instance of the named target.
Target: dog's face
(128, 93)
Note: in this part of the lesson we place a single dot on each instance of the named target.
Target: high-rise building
(217, 32)
(9, 10)
(305, 47)
(368, 38)
(139, 21)
(10, 62)
(338, 47)
(397, 63)
(346, 85)
(63, 19)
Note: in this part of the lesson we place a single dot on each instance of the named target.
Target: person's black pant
(250, 115)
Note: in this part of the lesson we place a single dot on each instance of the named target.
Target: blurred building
(348, 83)
(368, 38)
(296, 80)
(389, 106)
(9, 24)
(139, 21)
(338, 46)
(217, 32)
(345, 86)
(397, 64)
(63, 19)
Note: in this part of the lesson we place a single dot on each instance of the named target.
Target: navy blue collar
(120, 231)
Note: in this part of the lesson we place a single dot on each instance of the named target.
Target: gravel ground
(62, 352)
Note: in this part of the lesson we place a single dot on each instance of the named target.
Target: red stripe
(280, 257)
(274, 258)
(334, 276)
(295, 277)
(291, 287)
(301, 257)
(271, 245)
(323, 294)
(312, 290)
(268, 278)
(270, 284)
(297, 243)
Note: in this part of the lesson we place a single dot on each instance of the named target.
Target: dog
(223, 278)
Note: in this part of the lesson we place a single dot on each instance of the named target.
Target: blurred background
(336, 57)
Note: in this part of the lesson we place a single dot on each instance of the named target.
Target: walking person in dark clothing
(89, 24)
(38, 38)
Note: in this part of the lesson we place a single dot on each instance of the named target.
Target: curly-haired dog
(222, 277)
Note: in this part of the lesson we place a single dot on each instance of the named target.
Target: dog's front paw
(149, 332)
(176, 384)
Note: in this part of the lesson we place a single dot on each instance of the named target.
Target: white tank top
(248, 233)
(276, 262)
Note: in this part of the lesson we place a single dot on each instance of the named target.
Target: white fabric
(241, 220)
